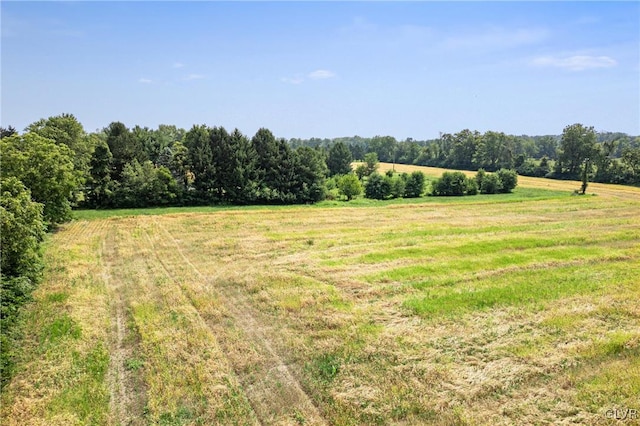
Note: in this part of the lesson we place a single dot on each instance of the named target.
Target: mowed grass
(511, 309)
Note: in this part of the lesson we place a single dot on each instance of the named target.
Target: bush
(450, 184)
(414, 187)
(397, 187)
(349, 185)
(490, 184)
(377, 187)
(508, 179)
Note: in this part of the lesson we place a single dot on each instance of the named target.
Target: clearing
(493, 309)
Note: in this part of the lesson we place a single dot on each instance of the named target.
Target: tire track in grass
(275, 394)
(127, 390)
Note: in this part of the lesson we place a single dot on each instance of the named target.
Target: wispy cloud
(194, 77)
(497, 38)
(321, 74)
(292, 80)
(178, 65)
(145, 81)
(576, 62)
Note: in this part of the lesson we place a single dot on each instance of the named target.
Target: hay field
(509, 309)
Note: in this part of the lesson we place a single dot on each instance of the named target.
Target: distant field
(509, 309)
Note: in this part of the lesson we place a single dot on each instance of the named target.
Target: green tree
(100, 186)
(377, 187)
(65, 129)
(450, 184)
(349, 185)
(199, 162)
(508, 179)
(124, 146)
(414, 186)
(44, 167)
(371, 163)
(577, 144)
(310, 175)
(339, 160)
(491, 184)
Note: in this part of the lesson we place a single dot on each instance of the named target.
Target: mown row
(514, 309)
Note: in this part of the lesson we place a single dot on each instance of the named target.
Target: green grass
(423, 311)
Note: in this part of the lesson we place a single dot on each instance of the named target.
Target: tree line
(614, 157)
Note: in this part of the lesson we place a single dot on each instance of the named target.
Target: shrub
(450, 184)
(490, 184)
(349, 186)
(377, 187)
(414, 187)
(508, 179)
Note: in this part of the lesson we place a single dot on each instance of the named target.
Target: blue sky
(325, 69)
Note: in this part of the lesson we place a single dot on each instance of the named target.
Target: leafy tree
(576, 145)
(491, 184)
(65, 129)
(339, 160)
(22, 230)
(371, 163)
(450, 184)
(349, 185)
(124, 146)
(275, 167)
(384, 147)
(310, 175)
(9, 131)
(44, 167)
(100, 185)
(414, 186)
(377, 187)
(397, 186)
(145, 185)
(463, 151)
(631, 158)
(199, 161)
(508, 179)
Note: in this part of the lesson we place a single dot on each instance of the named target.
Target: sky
(325, 69)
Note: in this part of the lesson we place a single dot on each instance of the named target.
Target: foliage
(508, 179)
(21, 232)
(44, 167)
(491, 184)
(371, 163)
(377, 187)
(577, 144)
(350, 186)
(339, 160)
(450, 184)
(414, 186)
(144, 185)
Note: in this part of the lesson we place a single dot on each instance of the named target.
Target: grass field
(510, 309)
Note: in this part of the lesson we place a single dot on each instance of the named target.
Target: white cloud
(321, 74)
(178, 65)
(145, 81)
(497, 38)
(576, 62)
(292, 80)
(194, 77)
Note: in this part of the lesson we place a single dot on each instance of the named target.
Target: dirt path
(275, 394)
(126, 388)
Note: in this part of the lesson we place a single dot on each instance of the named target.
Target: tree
(22, 230)
(124, 147)
(65, 129)
(339, 160)
(577, 144)
(371, 163)
(491, 184)
(310, 171)
(349, 185)
(9, 131)
(508, 179)
(100, 186)
(450, 184)
(145, 185)
(377, 187)
(414, 186)
(275, 167)
(199, 161)
(384, 147)
(45, 168)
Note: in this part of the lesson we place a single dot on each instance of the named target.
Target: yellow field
(477, 311)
